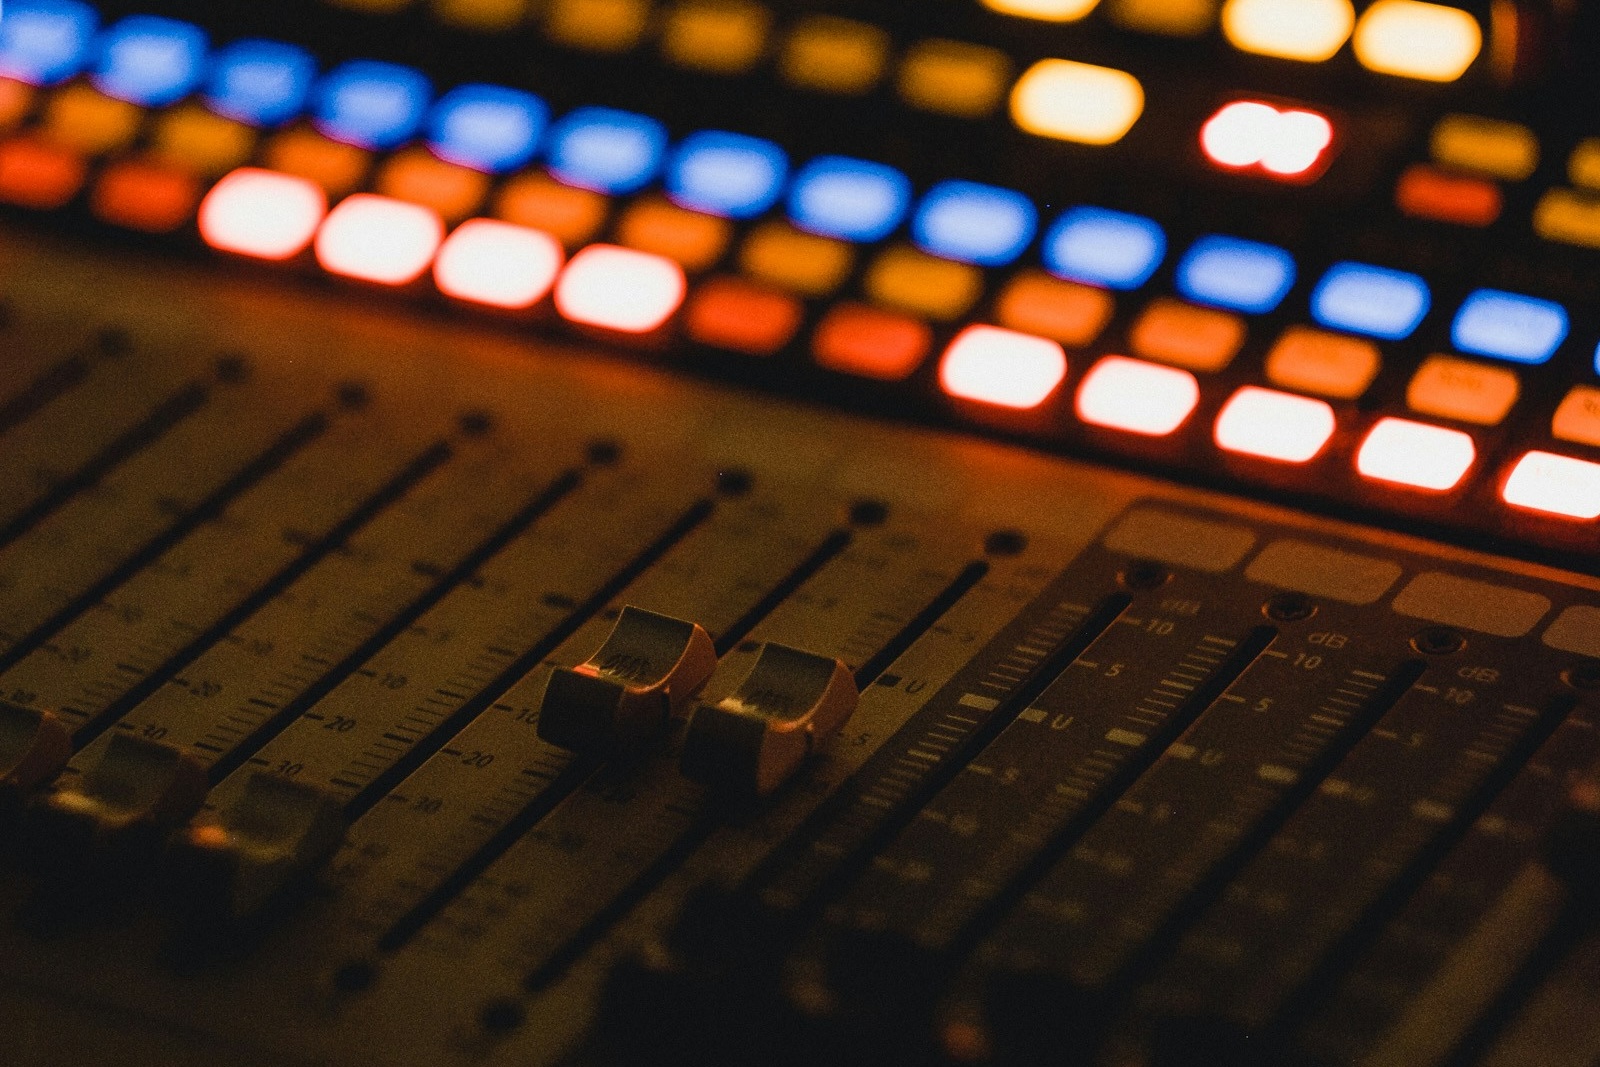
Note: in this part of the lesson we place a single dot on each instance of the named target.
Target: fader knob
(34, 746)
(643, 674)
(786, 707)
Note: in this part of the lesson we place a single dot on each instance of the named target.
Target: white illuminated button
(1307, 30)
(1002, 367)
(1077, 102)
(1415, 454)
(379, 239)
(1043, 10)
(1556, 485)
(620, 289)
(1430, 42)
(497, 264)
(1139, 397)
(1274, 425)
(262, 213)
(1249, 133)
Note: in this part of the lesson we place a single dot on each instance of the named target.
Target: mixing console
(976, 532)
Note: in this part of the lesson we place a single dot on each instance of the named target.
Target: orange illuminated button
(334, 165)
(1426, 193)
(870, 343)
(734, 314)
(1035, 302)
(16, 100)
(417, 175)
(498, 264)
(694, 239)
(1002, 367)
(620, 289)
(1415, 454)
(1274, 425)
(1328, 364)
(1569, 216)
(141, 195)
(1202, 339)
(202, 140)
(37, 175)
(805, 263)
(82, 118)
(1139, 397)
(1460, 389)
(1578, 417)
(573, 215)
(379, 239)
(262, 213)
(914, 281)
(1556, 485)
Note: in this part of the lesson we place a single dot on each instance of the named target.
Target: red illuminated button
(39, 175)
(870, 342)
(620, 289)
(262, 213)
(1426, 193)
(735, 314)
(1139, 397)
(1415, 454)
(1556, 485)
(379, 239)
(1274, 425)
(1002, 367)
(145, 196)
(498, 264)
(1284, 143)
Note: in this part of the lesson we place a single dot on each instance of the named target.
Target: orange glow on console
(1555, 485)
(379, 239)
(1139, 397)
(1415, 454)
(1274, 425)
(1002, 367)
(1284, 143)
(498, 264)
(262, 213)
(620, 289)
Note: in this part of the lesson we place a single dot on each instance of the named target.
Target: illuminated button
(1556, 485)
(45, 41)
(1495, 149)
(378, 239)
(1062, 311)
(1458, 389)
(1044, 10)
(335, 166)
(417, 175)
(1425, 193)
(1002, 367)
(608, 151)
(1201, 339)
(1372, 300)
(1173, 18)
(1327, 364)
(954, 78)
(791, 259)
(573, 216)
(734, 314)
(371, 104)
(1415, 454)
(1578, 417)
(834, 55)
(1522, 329)
(1568, 216)
(1430, 42)
(78, 117)
(1109, 248)
(924, 285)
(1237, 274)
(1076, 102)
(202, 141)
(34, 174)
(498, 264)
(870, 343)
(1249, 133)
(1274, 425)
(1583, 166)
(849, 198)
(620, 289)
(144, 196)
(263, 83)
(718, 36)
(1139, 397)
(974, 223)
(482, 15)
(1307, 30)
(487, 127)
(150, 60)
(606, 26)
(727, 174)
(16, 102)
(692, 239)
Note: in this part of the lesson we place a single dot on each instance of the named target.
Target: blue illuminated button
(727, 174)
(849, 198)
(488, 127)
(1372, 300)
(1102, 247)
(149, 60)
(974, 223)
(1234, 273)
(1522, 329)
(45, 41)
(372, 104)
(606, 150)
(263, 83)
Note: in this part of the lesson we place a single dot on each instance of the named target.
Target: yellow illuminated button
(1077, 102)
(597, 25)
(1456, 389)
(954, 78)
(1495, 149)
(88, 121)
(481, 14)
(834, 55)
(1037, 303)
(1568, 216)
(571, 215)
(1416, 454)
(1578, 417)
(419, 176)
(1430, 42)
(334, 165)
(914, 281)
(805, 263)
(1044, 10)
(202, 141)
(1583, 166)
(694, 240)
(1307, 30)
(720, 36)
(1557, 485)
(1202, 339)
(1328, 364)
(1274, 425)
(1173, 18)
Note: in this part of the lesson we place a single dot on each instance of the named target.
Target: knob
(34, 746)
